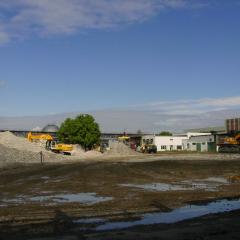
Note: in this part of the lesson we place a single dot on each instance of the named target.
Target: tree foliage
(165, 133)
(81, 130)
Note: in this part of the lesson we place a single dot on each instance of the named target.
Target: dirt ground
(39, 220)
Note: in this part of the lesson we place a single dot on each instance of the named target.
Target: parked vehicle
(149, 148)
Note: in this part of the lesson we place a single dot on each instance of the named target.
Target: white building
(176, 142)
(165, 143)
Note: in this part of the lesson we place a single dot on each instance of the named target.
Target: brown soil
(30, 220)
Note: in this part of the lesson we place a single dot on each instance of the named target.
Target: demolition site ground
(114, 199)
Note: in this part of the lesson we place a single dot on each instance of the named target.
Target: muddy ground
(25, 219)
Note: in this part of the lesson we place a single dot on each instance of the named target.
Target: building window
(163, 147)
(179, 147)
(151, 141)
(194, 144)
(203, 143)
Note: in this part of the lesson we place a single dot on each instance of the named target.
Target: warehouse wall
(200, 143)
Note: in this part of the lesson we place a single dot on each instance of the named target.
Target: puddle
(217, 180)
(18, 200)
(84, 198)
(45, 177)
(158, 187)
(57, 180)
(3, 205)
(179, 214)
(208, 184)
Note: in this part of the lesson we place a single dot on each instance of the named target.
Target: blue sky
(76, 55)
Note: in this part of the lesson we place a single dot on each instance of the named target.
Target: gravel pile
(79, 152)
(15, 149)
(120, 149)
(10, 156)
(9, 140)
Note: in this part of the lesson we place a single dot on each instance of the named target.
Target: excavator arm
(237, 137)
(32, 137)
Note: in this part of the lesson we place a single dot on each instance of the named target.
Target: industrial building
(167, 143)
(191, 141)
(201, 143)
(233, 125)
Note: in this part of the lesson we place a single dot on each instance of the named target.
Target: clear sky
(75, 55)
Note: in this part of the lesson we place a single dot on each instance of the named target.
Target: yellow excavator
(51, 143)
(230, 145)
(37, 137)
(123, 138)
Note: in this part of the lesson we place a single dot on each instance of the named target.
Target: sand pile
(9, 156)
(18, 149)
(120, 149)
(12, 155)
(79, 152)
(9, 140)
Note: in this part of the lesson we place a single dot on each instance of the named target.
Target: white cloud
(19, 18)
(4, 37)
(191, 107)
(36, 129)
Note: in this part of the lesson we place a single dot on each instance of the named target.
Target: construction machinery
(123, 138)
(149, 148)
(51, 143)
(57, 147)
(38, 137)
(230, 145)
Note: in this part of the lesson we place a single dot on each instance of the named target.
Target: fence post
(41, 158)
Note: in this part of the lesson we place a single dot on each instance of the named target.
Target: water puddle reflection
(179, 214)
(84, 198)
(208, 184)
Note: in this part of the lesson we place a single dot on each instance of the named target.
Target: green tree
(165, 133)
(81, 130)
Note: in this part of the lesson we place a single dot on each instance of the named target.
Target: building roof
(208, 130)
(50, 128)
